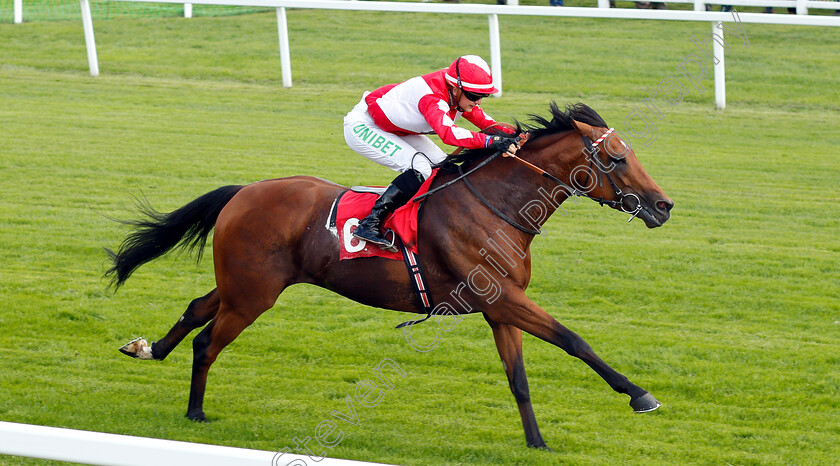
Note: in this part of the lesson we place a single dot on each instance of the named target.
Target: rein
(502, 126)
(462, 176)
(493, 208)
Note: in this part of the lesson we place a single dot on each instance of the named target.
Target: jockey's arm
(479, 118)
(435, 112)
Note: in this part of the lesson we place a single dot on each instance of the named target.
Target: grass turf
(728, 314)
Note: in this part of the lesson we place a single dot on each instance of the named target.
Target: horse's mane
(561, 120)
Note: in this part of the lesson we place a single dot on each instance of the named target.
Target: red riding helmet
(471, 73)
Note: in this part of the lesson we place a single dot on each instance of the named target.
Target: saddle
(378, 190)
(353, 205)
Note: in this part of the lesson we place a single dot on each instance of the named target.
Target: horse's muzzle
(655, 213)
(654, 209)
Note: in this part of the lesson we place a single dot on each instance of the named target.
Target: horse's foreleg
(509, 343)
(531, 318)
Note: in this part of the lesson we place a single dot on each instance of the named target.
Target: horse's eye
(618, 160)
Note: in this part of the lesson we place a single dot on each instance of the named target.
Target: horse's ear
(584, 129)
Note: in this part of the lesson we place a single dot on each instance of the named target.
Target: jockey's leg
(412, 155)
(396, 195)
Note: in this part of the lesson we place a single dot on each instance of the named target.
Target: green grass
(728, 314)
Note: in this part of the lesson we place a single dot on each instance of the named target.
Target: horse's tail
(157, 233)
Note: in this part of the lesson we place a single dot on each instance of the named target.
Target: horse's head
(609, 172)
(582, 157)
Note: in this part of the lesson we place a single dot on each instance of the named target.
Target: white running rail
(493, 11)
(81, 446)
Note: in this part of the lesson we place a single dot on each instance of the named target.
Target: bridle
(591, 151)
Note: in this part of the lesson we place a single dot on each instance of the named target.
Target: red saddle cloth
(353, 206)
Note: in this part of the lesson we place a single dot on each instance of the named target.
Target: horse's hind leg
(244, 293)
(198, 313)
(225, 327)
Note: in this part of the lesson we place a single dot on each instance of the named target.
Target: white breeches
(398, 153)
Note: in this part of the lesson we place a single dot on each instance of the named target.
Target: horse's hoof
(137, 348)
(542, 447)
(645, 403)
(197, 417)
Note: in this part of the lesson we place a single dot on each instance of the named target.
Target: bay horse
(272, 234)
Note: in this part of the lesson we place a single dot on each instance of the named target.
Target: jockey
(389, 125)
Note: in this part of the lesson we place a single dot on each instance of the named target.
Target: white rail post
(90, 42)
(285, 56)
(603, 3)
(720, 74)
(699, 5)
(18, 11)
(801, 7)
(495, 53)
(187, 10)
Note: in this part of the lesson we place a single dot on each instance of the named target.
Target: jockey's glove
(503, 143)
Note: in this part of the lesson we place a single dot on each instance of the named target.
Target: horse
(272, 234)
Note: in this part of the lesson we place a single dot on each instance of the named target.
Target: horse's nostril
(664, 205)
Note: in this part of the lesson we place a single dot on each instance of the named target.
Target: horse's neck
(525, 195)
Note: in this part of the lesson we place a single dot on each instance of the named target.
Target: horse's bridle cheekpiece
(592, 151)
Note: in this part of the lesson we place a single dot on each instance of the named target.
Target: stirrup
(385, 243)
(381, 240)
(392, 245)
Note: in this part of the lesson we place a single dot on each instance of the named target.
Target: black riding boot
(396, 195)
